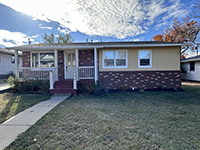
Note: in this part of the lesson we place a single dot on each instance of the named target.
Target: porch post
(95, 66)
(77, 65)
(56, 62)
(16, 65)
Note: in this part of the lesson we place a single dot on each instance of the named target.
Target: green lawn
(11, 104)
(129, 120)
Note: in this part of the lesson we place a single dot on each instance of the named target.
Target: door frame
(65, 57)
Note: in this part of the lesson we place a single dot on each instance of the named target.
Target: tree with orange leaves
(181, 32)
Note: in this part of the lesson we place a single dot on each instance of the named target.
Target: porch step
(62, 90)
(64, 86)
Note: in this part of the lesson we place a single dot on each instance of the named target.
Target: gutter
(190, 60)
(92, 47)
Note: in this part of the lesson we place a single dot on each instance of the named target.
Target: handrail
(75, 80)
(52, 77)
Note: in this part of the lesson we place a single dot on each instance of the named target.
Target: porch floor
(63, 86)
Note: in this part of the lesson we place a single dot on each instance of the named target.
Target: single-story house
(191, 67)
(134, 65)
(7, 62)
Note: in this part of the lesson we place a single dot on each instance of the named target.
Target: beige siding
(163, 58)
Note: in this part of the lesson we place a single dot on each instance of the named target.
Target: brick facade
(26, 59)
(61, 65)
(140, 79)
(86, 58)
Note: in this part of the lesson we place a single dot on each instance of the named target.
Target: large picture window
(115, 59)
(144, 58)
(42, 59)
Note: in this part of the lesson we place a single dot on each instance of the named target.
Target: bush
(89, 87)
(11, 80)
(30, 86)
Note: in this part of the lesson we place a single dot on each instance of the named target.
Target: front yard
(129, 120)
(13, 103)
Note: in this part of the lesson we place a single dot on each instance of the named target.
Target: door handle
(66, 68)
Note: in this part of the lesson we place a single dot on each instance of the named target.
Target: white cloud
(34, 36)
(40, 26)
(10, 39)
(63, 30)
(118, 18)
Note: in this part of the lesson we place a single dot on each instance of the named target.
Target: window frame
(150, 61)
(39, 66)
(103, 66)
(193, 69)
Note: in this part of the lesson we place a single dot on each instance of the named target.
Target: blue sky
(109, 20)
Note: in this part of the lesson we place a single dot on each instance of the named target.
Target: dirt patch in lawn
(194, 84)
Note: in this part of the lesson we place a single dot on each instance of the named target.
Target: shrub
(11, 80)
(31, 86)
(89, 87)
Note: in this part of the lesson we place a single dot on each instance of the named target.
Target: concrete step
(62, 90)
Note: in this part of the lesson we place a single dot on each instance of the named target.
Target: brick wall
(26, 59)
(140, 79)
(86, 58)
(61, 65)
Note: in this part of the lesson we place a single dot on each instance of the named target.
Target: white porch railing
(32, 73)
(86, 72)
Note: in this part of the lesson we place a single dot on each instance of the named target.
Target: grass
(11, 103)
(129, 120)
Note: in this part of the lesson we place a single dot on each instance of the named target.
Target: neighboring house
(134, 65)
(191, 67)
(7, 62)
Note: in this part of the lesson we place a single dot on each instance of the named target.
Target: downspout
(95, 66)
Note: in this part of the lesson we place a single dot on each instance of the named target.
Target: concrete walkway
(10, 129)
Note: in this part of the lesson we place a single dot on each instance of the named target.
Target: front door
(70, 65)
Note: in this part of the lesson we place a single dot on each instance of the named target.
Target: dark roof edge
(106, 45)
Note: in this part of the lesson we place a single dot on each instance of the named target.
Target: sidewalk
(10, 129)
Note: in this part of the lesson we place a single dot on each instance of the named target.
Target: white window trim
(150, 66)
(115, 59)
(39, 57)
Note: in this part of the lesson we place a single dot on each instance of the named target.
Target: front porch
(67, 69)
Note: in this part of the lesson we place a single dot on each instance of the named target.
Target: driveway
(4, 84)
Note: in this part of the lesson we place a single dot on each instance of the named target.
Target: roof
(194, 58)
(92, 45)
(9, 52)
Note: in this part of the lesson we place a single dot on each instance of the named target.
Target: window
(34, 59)
(115, 59)
(192, 66)
(144, 58)
(71, 59)
(42, 59)
(12, 59)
